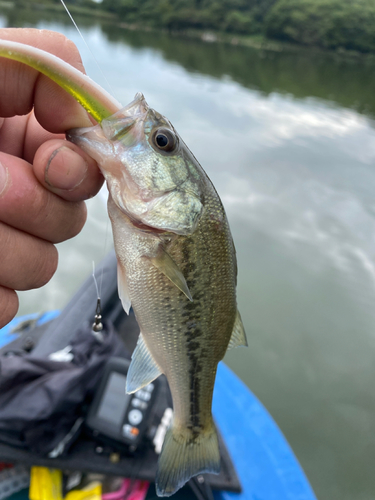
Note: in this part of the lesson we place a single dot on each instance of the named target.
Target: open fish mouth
(120, 124)
(109, 143)
(123, 125)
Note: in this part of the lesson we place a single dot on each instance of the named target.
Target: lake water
(288, 139)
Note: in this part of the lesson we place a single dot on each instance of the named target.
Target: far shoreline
(258, 42)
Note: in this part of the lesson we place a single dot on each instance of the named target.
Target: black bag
(42, 399)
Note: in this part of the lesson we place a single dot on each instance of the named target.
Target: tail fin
(184, 456)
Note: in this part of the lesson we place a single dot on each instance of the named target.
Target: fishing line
(103, 194)
(98, 289)
(95, 282)
(97, 326)
(88, 48)
(105, 251)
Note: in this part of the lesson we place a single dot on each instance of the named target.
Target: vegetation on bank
(332, 24)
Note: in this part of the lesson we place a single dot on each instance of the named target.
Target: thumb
(66, 170)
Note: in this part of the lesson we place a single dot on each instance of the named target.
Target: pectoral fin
(122, 286)
(238, 337)
(143, 368)
(164, 262)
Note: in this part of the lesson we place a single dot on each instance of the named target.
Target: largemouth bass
(176, 268)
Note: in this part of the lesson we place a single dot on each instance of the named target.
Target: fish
(176, 268)
(176, 259)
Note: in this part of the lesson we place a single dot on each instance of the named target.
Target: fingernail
(5, 179)
(65, 169)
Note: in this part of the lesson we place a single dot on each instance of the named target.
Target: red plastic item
(131, 489)
(5, 466)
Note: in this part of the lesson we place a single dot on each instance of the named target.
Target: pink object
(131, 489)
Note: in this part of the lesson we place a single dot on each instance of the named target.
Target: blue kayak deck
(265, 464)
(9, 332)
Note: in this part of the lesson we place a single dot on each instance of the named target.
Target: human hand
(43, 178)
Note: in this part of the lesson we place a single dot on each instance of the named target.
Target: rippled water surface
(289, 142)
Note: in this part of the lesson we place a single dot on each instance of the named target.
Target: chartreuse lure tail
(89, 94)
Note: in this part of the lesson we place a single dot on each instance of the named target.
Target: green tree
(326, 23)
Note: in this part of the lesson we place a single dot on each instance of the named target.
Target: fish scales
(187, 337)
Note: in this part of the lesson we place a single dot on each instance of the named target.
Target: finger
(22, 87)
(12, 135)
(35, 136)
(9, 305)
(26, 261)
(64, 169)
(26, 205)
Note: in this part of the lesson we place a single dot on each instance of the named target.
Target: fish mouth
(120, 124)
(106, 141)
(124, 125)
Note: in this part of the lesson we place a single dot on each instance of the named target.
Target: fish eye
(164, 140)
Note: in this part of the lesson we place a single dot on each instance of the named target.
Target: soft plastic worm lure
(98, 102)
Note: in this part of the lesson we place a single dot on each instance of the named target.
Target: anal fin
(164, 262)
(238, 337)
(143, 368)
